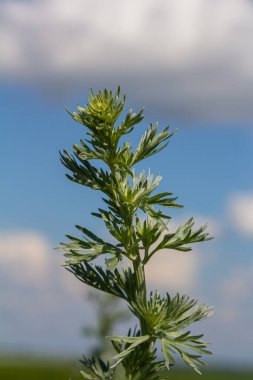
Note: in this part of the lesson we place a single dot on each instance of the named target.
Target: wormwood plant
(135, 214)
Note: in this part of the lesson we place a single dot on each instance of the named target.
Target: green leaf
(150, 143)
(163, 199)
(90, 234)
(183, 235)
(166, 352)
(112, 262)
(134, 342)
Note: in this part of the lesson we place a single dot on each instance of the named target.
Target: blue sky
(200, 162)
(208, 163)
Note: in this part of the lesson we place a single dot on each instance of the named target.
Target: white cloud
(24, 256)
(191, 58)
(28, 259)
(172, 270)
(31, 273)
(40, 302)
(240, 208)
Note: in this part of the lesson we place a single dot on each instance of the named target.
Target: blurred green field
(212, 375)
(32, 369)
(23, 369)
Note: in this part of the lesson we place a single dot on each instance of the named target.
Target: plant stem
(141, 289)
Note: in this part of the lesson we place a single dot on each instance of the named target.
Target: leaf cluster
(96, 369)
(167, 319)
(121, 284)
(88, 248)
(133, 352)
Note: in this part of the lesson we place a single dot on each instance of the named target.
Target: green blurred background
(25, 369)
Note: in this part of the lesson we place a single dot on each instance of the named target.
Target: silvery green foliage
(126, 193)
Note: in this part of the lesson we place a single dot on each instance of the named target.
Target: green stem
(141, 289)
(142, 293)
